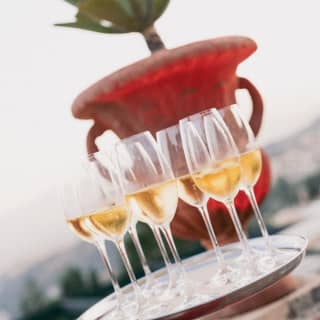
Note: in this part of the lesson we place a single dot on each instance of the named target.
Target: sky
(43, 68)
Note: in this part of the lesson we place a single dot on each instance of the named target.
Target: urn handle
(257, 104)
(95, 131)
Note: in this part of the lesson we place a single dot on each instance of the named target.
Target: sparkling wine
(251, 164)
(189, 192)
(80, 228)
(221, 182)
(157, 203)
(112, 222)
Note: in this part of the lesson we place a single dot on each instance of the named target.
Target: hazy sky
(43, 68)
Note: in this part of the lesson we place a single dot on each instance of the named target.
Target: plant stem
(153, 40)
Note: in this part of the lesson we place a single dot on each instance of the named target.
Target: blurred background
(45, 271)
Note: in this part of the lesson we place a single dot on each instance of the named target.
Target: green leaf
(138, 8)
(74, 2)
(158, 7)
(149, 10)
(123, 15)
(112, 11)
(84, 22)
(126, 5)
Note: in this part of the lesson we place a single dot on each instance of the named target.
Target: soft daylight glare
(43, 68)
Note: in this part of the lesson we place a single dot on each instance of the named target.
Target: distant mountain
(47, 273)
(277, 148)
(297, 155)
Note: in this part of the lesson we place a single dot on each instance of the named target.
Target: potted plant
(157, 91)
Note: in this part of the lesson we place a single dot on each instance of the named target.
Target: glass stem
(157, 235)
(104, 255)
(127, 264)
(135, 239)
(206, 218)
(240, 232)
(250, 193)
(181, 272)
(168, 235)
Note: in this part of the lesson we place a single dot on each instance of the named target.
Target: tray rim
(235, 295)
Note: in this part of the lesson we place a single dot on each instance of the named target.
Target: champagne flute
(150, 186)
(170, 143)
(250, 163)
(76, 220)
(107, 213)
(104, 158)
(213, 162)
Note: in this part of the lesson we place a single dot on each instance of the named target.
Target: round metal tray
(202, 266)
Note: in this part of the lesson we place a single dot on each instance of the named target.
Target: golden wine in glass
(79, 227)
(158, 203)
(222, 182)
(189, 192)
(112, 222)
(251, 166)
